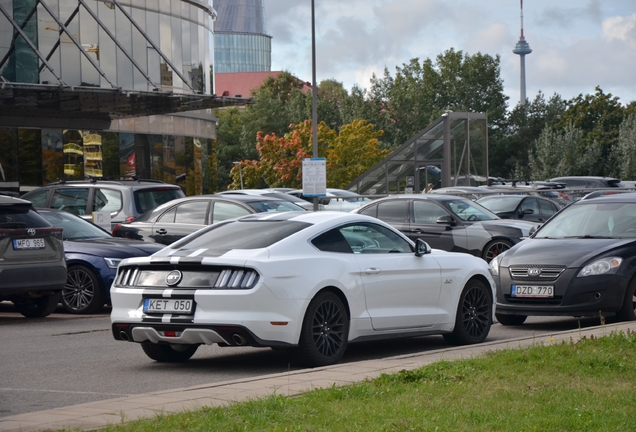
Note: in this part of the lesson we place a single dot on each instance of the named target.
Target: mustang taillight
(236, 279)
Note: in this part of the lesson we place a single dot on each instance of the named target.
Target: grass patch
(584, 386)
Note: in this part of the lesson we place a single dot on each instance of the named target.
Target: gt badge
(173, 278)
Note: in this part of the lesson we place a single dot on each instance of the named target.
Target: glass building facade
(240, 41)
(126, 47)
(451, 151)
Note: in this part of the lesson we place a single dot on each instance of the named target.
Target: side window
(394, 211)
(370, 211)
(427, 212)
(547, 208)
(72, 200)
(332, 241)
(530, 203)
(107, 200)
(168, 217)
(193, 212)
(39, 198)
(225, 210)
(372, 238)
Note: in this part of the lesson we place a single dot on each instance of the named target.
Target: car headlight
(113, 262)
(494, 265)
(603, 266)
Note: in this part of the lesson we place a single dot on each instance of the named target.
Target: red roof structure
(240, 84)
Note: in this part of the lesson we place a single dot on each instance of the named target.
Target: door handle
(417, 230)
(162, 231)
(373, 270)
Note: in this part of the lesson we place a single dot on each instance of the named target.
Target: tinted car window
(547, 208)
(168, 217)
(394, 211)
(468, 211)
(370, 211)
(21, 217)
(372, 238)
(500, 204)
(107, 200)
(193, 212)
(75, 228)
(72, 200)
(148, 199)
(274, 206)
(224, 210)
(241, 235)
(332, 241)
(530, 203)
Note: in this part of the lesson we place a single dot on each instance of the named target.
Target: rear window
(19, 217)
(239, 234)
(149, 199)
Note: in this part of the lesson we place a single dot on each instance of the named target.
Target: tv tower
(522, 48)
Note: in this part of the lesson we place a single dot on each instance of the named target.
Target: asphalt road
(66, 359)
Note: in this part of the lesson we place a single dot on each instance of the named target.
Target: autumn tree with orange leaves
(349, 154)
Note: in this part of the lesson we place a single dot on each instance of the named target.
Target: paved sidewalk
(115, 411)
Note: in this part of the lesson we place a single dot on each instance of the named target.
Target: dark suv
(32, 265)
(124, 199)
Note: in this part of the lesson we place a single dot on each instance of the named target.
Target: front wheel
(474, 313)
(628, 311)
(168, 353)
(325, 331)
(495, 248)
(82, 293)
(38, 307)
(510, 320)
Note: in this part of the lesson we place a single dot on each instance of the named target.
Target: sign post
(314, 178)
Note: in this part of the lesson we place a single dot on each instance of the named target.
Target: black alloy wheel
(82, 293)
(495, 248)
(474, 315)
(325, 331)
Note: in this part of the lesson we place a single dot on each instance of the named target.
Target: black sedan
(582, 262)
(92, 256)
(526, 207)
(449, 223)
(176, 219)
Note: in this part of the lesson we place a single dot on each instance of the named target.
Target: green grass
(585, 386)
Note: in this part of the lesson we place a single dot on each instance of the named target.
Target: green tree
(625, 152)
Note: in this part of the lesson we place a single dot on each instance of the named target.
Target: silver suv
(124, 199)
(32, 265)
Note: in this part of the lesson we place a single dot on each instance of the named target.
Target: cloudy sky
(576, 44)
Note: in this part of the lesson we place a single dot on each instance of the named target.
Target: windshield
(468, 210)
(74, 228)
(500, 204)
(605, 220)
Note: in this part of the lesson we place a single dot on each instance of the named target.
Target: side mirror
(421, 248)
(446, 220)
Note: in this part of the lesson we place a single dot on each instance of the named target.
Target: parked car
(271, 193)
(293, 280)
(557, 192)
(335, 199)
(124, 199)
(587, 182)
(32, 266)
(470, 192)
(92, 256)
(449, 223)
(526, 207)
(580, 263)
(178, 218)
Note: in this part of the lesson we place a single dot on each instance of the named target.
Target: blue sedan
(92, 256)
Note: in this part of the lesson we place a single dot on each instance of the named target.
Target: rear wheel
(510, 320)
(325, 331)
(168, 353)
(38, 307)
(474, 312)
(495, 248)
(82, 293)
(628, 311)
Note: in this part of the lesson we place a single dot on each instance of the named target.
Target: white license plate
(168, 306)
(34, 243)
(532, 291)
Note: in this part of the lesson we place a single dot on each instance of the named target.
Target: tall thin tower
(522, 48)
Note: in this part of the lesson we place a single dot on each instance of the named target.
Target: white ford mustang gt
(311, 281)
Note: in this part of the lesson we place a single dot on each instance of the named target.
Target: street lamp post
(240, 173)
